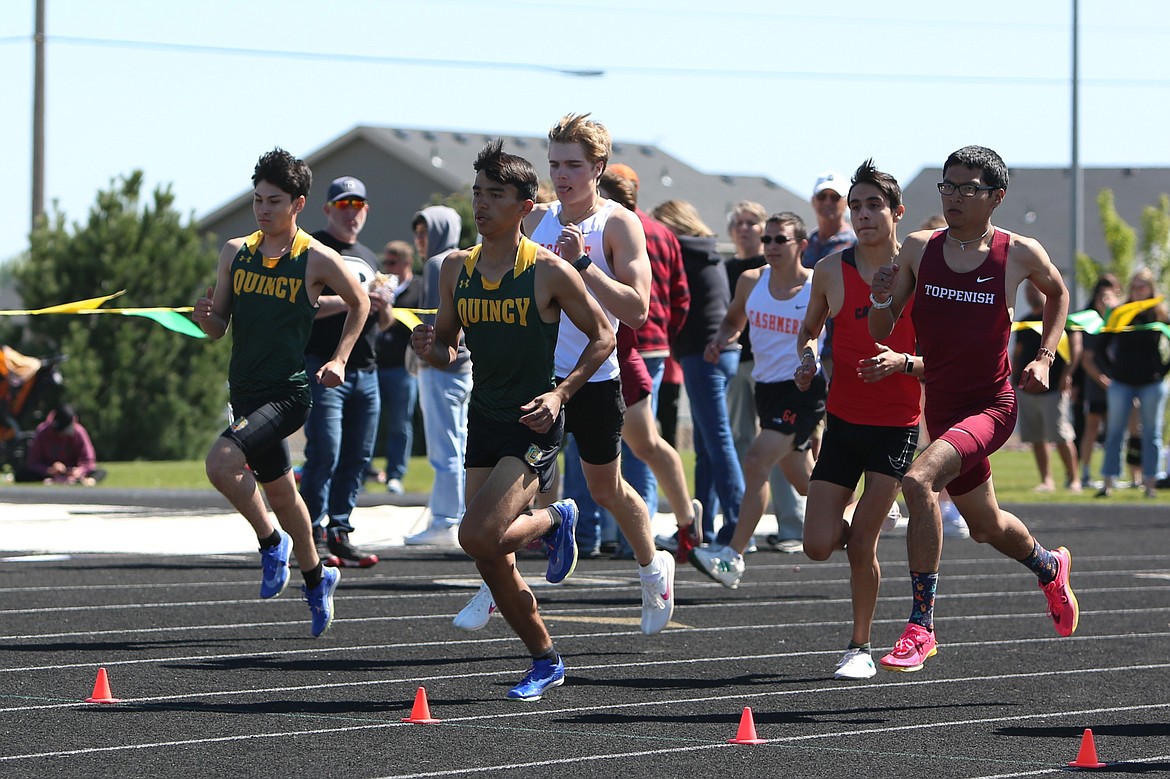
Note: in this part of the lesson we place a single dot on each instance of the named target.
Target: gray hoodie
(443, 228)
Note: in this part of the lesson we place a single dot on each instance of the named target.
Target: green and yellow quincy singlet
(271, 320)
(511, 347)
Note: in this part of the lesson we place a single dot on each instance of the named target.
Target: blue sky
(193, 93)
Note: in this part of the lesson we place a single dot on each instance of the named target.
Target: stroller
(28, 385)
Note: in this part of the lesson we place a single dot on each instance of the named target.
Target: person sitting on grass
(61, 452)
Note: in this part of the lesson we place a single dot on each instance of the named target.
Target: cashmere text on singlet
(571, 341)
(511, 346)
(962, 324)
(271, 320)
(891, 402)
(775, 325)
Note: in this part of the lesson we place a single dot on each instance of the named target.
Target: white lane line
(787, 740)
(550, 614)
(359, 598)
(510, 672)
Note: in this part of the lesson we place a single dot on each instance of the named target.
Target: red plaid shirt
(669, 297)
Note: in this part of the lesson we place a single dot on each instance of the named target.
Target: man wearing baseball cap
(833, 233)
(342, 427)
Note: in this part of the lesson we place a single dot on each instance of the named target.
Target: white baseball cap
(834, 181)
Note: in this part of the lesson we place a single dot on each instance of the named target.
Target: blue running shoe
(320, 600)
(542, 675)
(274, 561)
(562, 544)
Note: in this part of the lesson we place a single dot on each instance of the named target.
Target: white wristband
(880, 306)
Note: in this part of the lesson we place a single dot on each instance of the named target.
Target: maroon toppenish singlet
(963, 325)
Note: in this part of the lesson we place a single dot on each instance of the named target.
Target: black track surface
(216, 683)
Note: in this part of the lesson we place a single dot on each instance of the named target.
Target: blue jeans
(592, 516)
(339, 440)
(1152, 398)
(443, 397)
(399, 392)
(718, 475)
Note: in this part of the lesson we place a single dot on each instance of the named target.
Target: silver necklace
(561, 216)
(963, 244)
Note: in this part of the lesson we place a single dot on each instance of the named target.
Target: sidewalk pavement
(78, 520)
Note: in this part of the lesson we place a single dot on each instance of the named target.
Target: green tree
(1156, 239)
(1120, 239)
(144, 392)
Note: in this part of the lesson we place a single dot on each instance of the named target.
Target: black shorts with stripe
(849, 450)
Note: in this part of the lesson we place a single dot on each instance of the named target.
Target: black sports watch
(582, 262)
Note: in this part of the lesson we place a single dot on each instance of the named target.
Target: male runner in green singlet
(267, 286)
(507, 296)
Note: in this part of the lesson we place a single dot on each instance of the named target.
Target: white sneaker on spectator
(440, 535)
(394, 486)
(954, 526)
(478, 611)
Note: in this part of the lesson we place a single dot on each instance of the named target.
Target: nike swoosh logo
(804, 306)
(981, 279)
(274, 581)
(666, 595)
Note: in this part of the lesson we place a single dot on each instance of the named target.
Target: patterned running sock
(1042, 563)
(924, 586)
(270, 541)
(313, 575)
(863, 647)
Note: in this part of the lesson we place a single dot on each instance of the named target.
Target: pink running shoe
(910, 653)
(1062, 604)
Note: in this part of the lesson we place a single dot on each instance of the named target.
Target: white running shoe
(954, 526)
(478, 611)
(855, 664)
(442, 535)
(658, 596)
(721, 563)
(895, 520)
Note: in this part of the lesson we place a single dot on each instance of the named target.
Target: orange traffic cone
(1087, 757)
(747, 729)
(101, 690)
(421, 713)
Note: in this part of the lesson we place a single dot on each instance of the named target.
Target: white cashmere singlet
(775, 325)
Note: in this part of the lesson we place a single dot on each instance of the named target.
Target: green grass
(1014, 469)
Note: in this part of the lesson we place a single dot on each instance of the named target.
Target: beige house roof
(403, 168)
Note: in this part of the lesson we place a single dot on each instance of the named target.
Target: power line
(609, 68)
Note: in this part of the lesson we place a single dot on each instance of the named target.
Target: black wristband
(582, 262)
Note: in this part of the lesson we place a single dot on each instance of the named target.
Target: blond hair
(750, 207)
(579, 128)
(682, 218)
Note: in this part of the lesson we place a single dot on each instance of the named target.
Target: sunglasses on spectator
(828, 194)
(779, 239)
(350, 202)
